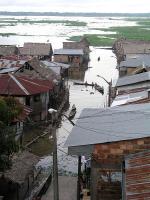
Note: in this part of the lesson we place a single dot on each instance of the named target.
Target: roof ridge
(19, 84)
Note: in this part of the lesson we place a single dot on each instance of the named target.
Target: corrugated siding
(137, 176)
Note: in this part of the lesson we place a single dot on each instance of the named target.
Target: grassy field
(139, 32)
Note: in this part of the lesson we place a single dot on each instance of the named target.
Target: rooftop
(132, 79)
(22, 86)
(22, 164)
(68, 52)
(36, 49)
(136, 61)
(110, 125)
(128, 98)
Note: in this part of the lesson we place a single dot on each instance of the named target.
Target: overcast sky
(76, 5)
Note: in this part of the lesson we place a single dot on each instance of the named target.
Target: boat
(72, 112)
(86, 84)
(99, 88)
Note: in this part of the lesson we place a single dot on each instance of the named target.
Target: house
(107, 136)
(134, 64)
(123, 47)
(133, 83)
(82, 44)
(137, 176)
(35, 68)
(17, 182)
(8, 50)
(32, 92)
(40, 50)
(74, 57)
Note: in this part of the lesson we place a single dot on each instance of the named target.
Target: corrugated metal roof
(137, 176)
(7, 70)
(11, 63)
(22, 86)
(137, 61)
(55, 64)
(131, 97)
(110, 125)
(68, 52)
(137, 78)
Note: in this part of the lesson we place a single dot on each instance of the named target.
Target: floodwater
(81, 96)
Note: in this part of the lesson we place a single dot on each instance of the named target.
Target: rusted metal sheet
(137, 176)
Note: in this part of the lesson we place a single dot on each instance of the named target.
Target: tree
(10, 109)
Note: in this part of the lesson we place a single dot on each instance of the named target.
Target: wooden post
(79, 175)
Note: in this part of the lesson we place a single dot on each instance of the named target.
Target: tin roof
(68, 52)
(136, 61)
(128, 98)
(22, 86)
(97, 126)
(8, 70)
(132, 79)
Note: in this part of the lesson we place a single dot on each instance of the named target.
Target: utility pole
(55, 163)
(109, 93)
(79, 175)
(109, 89)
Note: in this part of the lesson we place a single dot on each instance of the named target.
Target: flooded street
(81, 97)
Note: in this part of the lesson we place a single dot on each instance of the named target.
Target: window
(36, 98)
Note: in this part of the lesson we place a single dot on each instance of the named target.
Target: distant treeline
(74, 14)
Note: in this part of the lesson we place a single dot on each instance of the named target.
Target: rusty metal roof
(137, 176)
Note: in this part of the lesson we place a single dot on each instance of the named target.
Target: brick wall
(137, 176)
(115, 151)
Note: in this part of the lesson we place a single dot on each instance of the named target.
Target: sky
(101, 6)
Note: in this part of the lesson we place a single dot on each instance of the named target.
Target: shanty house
(35, 68)
(134, 65)
(40, 50)
(123, 47)
(30, 92)
(82, 44)
(74, 57)
(8, 50)
(17, 182)
(107, 136)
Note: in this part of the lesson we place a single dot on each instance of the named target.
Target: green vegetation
(95, 39)
(130, 32)
(10, 109)
(7, 34)
(13, 22)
